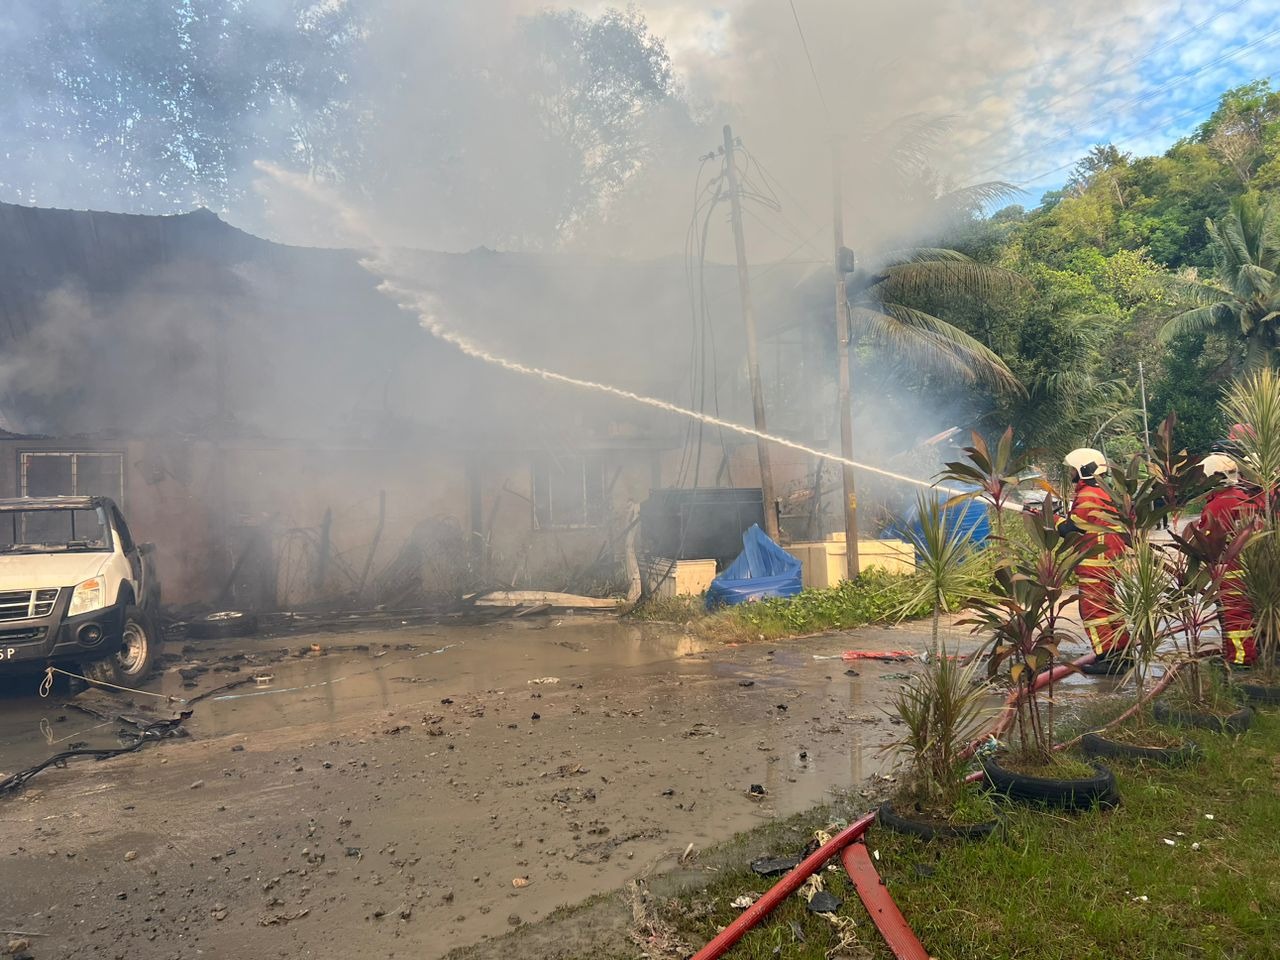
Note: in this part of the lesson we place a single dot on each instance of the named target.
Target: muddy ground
(404, 792)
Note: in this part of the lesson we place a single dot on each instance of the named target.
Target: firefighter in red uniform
(1227, 507)
(1092, 516)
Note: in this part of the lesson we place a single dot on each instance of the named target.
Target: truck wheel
(136, 659)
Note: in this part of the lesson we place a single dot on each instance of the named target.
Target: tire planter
(224, 623)
(1096, 745)
(890, 819)
(1237, 722)
(1261, 694)
(1108, 668)
(1079, 794)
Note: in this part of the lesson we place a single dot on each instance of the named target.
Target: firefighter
(1228, 506)
(1092, 516)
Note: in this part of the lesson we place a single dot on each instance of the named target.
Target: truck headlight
(87, 596)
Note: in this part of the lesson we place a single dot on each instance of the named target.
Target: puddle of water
(450, 662)
(34, 728)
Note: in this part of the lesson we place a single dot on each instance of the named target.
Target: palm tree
(881, 315)
(900, 194)
(1242, 301)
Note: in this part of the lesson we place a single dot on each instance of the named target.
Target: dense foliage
(1169, 260)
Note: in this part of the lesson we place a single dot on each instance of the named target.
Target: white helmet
(1087, 462)
(1216, 463)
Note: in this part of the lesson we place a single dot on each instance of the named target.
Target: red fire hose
(788, 885)
(897, 933)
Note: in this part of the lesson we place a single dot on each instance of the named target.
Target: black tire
(1078, 794)
(222, 624)
(1261, 694)
(1096, 745)
(1108, 667)
(137, 659)
(890, 819)
(1237, 722)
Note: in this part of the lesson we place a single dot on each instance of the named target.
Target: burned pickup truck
(76, 590)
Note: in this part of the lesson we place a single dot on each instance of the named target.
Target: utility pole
(1146, 428)
(753, 359)
(844, 265)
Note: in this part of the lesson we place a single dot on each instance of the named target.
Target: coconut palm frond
(1198, 320)
(893, 258)
(1259, 280)
(913, 138)
(978, 196)
(935, 342)
(1257, 356)
(1230, 233)
(1198, 292)
(904, 282)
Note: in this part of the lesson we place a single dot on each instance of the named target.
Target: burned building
(286, 433)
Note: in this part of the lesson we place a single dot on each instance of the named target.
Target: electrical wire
(812, 70)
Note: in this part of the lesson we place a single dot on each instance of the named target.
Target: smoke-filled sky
(458, 123)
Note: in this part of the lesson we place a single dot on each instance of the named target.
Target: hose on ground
(152, 733)
(784, 888)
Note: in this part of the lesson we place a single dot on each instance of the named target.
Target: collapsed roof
(184, 325)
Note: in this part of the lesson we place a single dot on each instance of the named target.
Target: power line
(812, 70)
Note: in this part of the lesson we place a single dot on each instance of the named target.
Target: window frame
(25, 457)
(591, 467)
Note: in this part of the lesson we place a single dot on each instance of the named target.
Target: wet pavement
(422, 788)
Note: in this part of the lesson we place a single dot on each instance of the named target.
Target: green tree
(1191, 380)
(155, 106)
(1239, 128)
(1242, 301)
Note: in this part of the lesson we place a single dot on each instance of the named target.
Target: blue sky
(1157, 87)
(1030, 84)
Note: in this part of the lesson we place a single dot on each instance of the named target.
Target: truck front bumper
(57, 638)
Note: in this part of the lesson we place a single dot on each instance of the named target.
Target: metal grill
(25, 635)
(27, 604)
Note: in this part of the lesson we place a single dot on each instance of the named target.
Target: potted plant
(1255, 402)
(995, 475)
(1025, 616)
(1199, 567)
(946, 707)
(942, 711)
(1142, 494)
(951, 569)
(1145, 585)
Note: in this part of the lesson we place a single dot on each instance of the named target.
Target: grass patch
(1061, 766)
(1100, 884)
(875, 597)
(669, 609)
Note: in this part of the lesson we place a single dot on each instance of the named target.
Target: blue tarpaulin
(763, 569)
(970, 517)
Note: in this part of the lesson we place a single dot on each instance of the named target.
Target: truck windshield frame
(77, 531)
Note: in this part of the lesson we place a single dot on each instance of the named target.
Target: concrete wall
(257, 509)
(202, 506)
